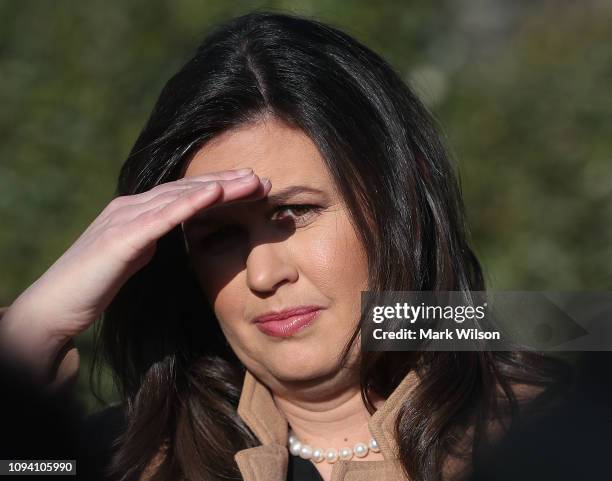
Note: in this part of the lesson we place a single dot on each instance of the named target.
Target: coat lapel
(257, 409)
(382, 422)
(263, 463)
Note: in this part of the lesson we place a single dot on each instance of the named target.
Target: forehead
(271, 148)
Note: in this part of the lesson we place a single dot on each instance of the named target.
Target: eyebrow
(287, 193)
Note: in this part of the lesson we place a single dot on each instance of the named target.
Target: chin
(303, 361)
(297, 365)
(298, 374)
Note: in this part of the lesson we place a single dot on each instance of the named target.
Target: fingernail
(247, 178)
(243, 171)
(264, 180)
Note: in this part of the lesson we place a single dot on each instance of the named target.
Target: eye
(229, 236)
(299, 213)
(222, 237)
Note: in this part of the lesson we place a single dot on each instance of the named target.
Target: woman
(197, 262)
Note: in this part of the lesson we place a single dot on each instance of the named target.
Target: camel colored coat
(269, 461)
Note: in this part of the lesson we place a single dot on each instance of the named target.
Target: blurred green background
(522, 90)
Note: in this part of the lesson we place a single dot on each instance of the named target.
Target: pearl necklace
(306, 451)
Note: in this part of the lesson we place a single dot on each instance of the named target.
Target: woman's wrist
(29, 342)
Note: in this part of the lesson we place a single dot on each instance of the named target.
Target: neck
(329, 415)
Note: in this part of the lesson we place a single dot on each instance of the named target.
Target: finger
(261, 190)
(243, 188)
(187, 182)
(221, 174)
(129, 212)
(159, 220)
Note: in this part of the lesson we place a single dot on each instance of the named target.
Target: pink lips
(287, 322)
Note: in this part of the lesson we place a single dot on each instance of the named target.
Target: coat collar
(258, 410)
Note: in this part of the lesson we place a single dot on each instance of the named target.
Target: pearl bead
(331, 455)
(346, 453)
(306, 451)
(318, 455)
(360, 450)
(374, 445)
(295, 448)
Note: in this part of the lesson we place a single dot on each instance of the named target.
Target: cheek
(336, 260)
(332, 265)
(228, 306)
(216, 274)
(223, 290)
(228, 302)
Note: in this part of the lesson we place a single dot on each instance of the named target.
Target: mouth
(287, 322)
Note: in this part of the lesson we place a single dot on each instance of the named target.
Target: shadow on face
(295, 248)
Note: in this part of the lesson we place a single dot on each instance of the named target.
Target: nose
(268, 267)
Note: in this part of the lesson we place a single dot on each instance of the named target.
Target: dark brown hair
(176, 373)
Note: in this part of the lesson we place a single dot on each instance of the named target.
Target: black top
(100, 429)
(97, 432)
(302, 470)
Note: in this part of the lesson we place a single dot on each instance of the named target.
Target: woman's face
(253, 257)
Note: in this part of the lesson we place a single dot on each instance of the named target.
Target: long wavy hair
(178, 378)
